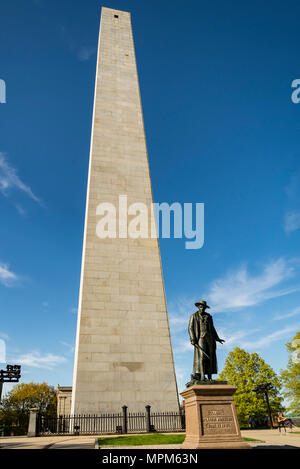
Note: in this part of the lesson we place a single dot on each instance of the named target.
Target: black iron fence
(136, 422)
(79, 424)
(125, 422)
(168, 421)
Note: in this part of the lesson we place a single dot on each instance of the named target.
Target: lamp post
(263, 389)
(12, 374)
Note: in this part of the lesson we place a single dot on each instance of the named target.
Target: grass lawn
(152, 439)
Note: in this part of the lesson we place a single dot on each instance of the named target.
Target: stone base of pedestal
(211, 420)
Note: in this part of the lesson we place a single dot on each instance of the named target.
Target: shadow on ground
(14, 445)
(275, 447)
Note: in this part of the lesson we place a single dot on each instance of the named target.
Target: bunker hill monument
(123, 352)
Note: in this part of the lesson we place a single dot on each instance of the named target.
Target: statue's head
(202, 305)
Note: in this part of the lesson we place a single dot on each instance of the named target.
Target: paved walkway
(48, 442)
(271, 438)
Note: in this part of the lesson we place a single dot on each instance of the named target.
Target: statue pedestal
(210, 416)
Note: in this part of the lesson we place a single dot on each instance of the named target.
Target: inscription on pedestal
(217, 419)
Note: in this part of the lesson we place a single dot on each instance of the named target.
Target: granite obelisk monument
(123, 350)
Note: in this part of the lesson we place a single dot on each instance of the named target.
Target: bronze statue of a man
(203, 337)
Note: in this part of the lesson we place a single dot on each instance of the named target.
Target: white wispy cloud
(20, 210)
(178, 322)
(4, 336)
(10, 181)
(182, 345)
(293, 188)
(291, 314)
(233, 338)
(36, 360)
(179, 311)
(82, 52)
(182, 376)
(239, 289)
(70, 347)
(2, 351)
(7, 277)
(266, 340)
(240, 338)
(291, 222)
(85, 53)
(236, 338)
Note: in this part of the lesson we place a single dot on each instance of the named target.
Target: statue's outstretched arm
(216, 337)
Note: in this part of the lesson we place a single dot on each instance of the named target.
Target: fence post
(32, 426)
(182, 417)
(124, 425)
(148, 418)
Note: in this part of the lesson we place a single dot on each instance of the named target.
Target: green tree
(290, 378)
(246, 371)
(15, 406)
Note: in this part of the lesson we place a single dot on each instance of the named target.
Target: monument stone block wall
(123, 348)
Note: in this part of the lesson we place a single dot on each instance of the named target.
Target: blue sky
(221, 129)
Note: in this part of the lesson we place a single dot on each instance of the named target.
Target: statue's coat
(203, 333)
